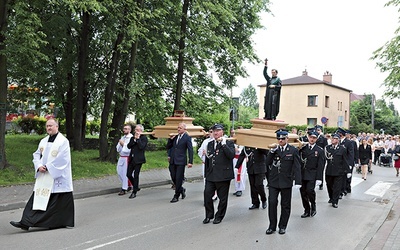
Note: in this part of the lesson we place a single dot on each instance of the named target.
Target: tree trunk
(3, 83)
(108, 97)
(121, 111)
(181, 59)
(69, 109)
(82, 84)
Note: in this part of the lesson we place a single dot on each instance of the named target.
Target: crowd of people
(330, 158)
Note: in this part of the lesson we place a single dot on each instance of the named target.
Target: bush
(29, 124)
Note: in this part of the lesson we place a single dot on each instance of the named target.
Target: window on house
(345, 115)
(313, 100)
(340, 121)
(326, 101)
(311, 122)
(341, 106)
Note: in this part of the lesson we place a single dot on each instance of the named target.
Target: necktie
(281, 149)
(179, 137)
(310, 147)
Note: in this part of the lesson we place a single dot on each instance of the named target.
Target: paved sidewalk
(14, 197)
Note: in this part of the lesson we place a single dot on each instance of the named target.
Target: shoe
(305, 215)
(397, 175)
(269, 231)
(282, 231)
(122, 192)
(206, 220)
(183, 193)
(239, 193)
(133, 195)
(340, 196)
(19, 225)
(365, 179)
(215, 198)
(335, 205)
(264, 204)
(235, 193)
(175, 199)
(313, 213)
(129, 189)
(254, 207)
(330, 201)
(217, 221)
(173, 186)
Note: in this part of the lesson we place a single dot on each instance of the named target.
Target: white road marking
(355, 181)
(379, 189)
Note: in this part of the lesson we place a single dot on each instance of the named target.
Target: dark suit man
(283, 162)
(218, 174)
(312, 167)
(256, 168)
(336, 167)
(322, 142)
(179, 147)
(350, 159)
(137, 157)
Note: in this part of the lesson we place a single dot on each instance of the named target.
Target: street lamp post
(372, 111)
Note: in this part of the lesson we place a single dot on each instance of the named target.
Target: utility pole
(373, 111)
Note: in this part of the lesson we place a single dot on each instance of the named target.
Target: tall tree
(387, 59)
(248, 97)
(3, 81)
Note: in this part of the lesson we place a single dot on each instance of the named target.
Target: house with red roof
(307, 100)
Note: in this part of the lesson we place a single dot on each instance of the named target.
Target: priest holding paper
(52, 203)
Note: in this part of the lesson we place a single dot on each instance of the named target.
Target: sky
(338, 36)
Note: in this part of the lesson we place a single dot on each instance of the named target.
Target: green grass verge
(85, 164)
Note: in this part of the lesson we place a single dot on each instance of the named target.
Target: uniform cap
(217, 127)
(281, 133)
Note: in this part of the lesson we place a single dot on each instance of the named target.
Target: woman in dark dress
(364, 157)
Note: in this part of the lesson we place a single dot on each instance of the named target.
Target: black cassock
(272, 96)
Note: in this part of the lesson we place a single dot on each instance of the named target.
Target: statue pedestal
(262, 134)
(171, 126)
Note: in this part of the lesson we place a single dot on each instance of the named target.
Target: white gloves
(223, 141)
(297, 186)
(318, 182)
(348, 175)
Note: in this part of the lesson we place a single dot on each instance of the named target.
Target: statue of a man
(272, 93)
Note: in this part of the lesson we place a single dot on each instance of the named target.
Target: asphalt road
(150, 221)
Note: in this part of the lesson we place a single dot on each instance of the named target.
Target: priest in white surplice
(51, 159)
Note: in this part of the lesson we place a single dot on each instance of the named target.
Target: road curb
(87, 194)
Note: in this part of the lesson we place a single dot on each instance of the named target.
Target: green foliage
(385, 117)
(387, 59)
(248, 97)
(29, 124)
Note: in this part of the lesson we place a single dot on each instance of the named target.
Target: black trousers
(377, 153)
(177, 175)
(257, 190)
(222, 189)
(307, 192)
(133, 175)
(334, 185)
(286, 199)
(348, 181)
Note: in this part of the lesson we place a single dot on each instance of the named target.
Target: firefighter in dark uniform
(349, 146)
(312, 167)
(218, 171)
(283, 162)
(322, 142)
(336, 168)
(255, 162)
